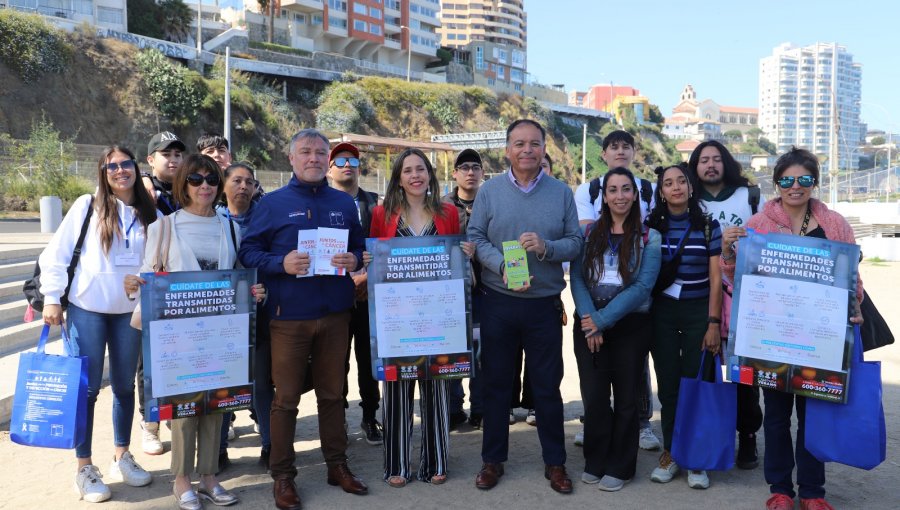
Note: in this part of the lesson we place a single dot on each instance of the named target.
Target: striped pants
(397, 418)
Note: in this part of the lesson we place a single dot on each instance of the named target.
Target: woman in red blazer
(412, 207)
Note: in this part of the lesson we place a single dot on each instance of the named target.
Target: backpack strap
(646, 191)
(753, 198)
(594, 189)
(76, 253)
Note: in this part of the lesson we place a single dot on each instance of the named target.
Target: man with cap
(468, 173)
(343, 171)
(164, 154)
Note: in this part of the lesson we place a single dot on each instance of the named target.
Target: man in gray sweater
(539, 212)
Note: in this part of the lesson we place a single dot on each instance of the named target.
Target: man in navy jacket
(310, 315)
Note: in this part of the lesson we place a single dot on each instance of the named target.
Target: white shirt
(589, 211)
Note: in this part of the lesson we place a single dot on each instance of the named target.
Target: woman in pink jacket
(793, 212)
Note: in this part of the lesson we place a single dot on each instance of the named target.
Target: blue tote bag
(705, 420)
(50, 404)
(853, 433)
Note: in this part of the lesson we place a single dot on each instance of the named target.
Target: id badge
(673, 291)
(128, 259)
(611, 277)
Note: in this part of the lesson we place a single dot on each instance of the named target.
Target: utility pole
(226, 132)
(584, 153)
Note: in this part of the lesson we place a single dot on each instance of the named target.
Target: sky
(659, 46)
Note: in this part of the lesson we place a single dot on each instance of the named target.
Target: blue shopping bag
(705, 420)
(853, 433)
(50, 404)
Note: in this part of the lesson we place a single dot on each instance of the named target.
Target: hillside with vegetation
(75, 88)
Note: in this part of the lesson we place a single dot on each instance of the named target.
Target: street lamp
(408, 49)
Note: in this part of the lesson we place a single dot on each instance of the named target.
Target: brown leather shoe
(559, 480)
(489, 475)
(341, 475)
(286, 497)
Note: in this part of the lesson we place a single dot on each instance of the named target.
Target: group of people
(646, 263)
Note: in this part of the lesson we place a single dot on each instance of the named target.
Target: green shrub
(279, 48)
(344, 107)
(30, 46)
(176, 91)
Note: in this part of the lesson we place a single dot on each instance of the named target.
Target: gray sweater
(502, 212)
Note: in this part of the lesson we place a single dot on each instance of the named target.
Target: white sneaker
(579, 437)
(666, 470)
(589, 478)
(232, 435)
(611, 484)
(512, 417)
(150, 440)
(128, 471)
(648, 440)
(256, 427)
(697, 479)
(89, 485)
(531, 419)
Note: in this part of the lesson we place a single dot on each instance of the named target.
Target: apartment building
(809, 97)
(494, 32)
(110, 14)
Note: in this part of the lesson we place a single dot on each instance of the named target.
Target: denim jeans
(93, 333)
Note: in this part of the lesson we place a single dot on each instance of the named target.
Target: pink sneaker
(780, 502)
(815, 504)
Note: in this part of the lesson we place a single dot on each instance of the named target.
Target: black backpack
(753, 198)
(646, 191)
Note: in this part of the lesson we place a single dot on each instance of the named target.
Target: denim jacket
(635, 294)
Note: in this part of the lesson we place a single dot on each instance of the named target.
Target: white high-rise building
(799, 89)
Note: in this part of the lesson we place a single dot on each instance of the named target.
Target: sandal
(397, 482)
(438, 479)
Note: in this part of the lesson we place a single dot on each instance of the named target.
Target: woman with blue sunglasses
(795, 212)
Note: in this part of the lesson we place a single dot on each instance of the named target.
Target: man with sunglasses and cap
(343, 171)
(468, 173)
(164, 154)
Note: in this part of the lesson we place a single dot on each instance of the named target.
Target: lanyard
(128, 231)
(614, 248)
(680, 243)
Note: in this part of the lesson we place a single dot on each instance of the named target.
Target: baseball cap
(467, 156)
(344, 147)
(163, 141)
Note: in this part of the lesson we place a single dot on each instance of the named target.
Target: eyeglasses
(340, 162)
(197, 179)
(788, 182)
(251, 183)
(127, 165)
(469, 168)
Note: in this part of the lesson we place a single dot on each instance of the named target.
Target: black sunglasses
(197, 179)
(805, 181)
(127, 165)
(340, 162)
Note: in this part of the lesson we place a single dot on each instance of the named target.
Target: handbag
(160, 258)
(853, 433)
(32, 286)
(50, 404)
(705, 420)
(874, 330)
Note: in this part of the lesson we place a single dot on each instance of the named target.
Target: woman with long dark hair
(687, 313)
(611, 283)
(413, 207)
(794, 212)
(99, 312)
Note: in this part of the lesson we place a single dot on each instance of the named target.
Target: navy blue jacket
(272, 234)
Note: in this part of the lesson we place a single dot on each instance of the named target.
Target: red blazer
(448, 224)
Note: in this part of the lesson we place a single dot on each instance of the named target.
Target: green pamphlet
(516, 264)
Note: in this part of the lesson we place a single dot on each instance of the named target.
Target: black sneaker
(457, 419)
(747, 457)
(372, 429)
(264, 458)
(475, 420)
(223, 461)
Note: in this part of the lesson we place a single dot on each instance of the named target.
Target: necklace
(805, 221)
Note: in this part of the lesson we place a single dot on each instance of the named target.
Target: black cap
(163, 141)
(467, 156)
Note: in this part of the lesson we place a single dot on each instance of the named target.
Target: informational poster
(198, 338)
(790, 329)
(420, 308)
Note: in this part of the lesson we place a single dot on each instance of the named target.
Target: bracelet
(713, 320)
(726, 259)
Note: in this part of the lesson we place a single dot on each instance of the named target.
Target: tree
(268, 6)
(754, 133)
(174, 19)
(734, 135)
(878, 140)
(766, 145)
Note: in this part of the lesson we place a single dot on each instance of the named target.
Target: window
(86, 7)
(479, 57)
(317, 19)
(501, 72)
(392, 4)
(109, 15)
(337, 22)
(375, 12)
(360, 9)
(338, 5)
(361, 26)
(375, 29)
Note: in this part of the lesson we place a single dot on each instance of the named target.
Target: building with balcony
(110, 14)
(494, 34)
(387, 34)
(809, 97)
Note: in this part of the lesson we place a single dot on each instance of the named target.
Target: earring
(664, 200)
(428, 192)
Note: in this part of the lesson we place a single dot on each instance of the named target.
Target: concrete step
(11, 287)
(12, 253)
(13, 311)
(23, 270)
(19, 336)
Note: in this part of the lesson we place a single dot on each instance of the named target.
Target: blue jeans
(93, 333)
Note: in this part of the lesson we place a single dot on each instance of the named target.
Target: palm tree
(264, 7)
(174, 20)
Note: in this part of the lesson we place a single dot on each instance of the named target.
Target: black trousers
(611, 433)
(359, 344)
